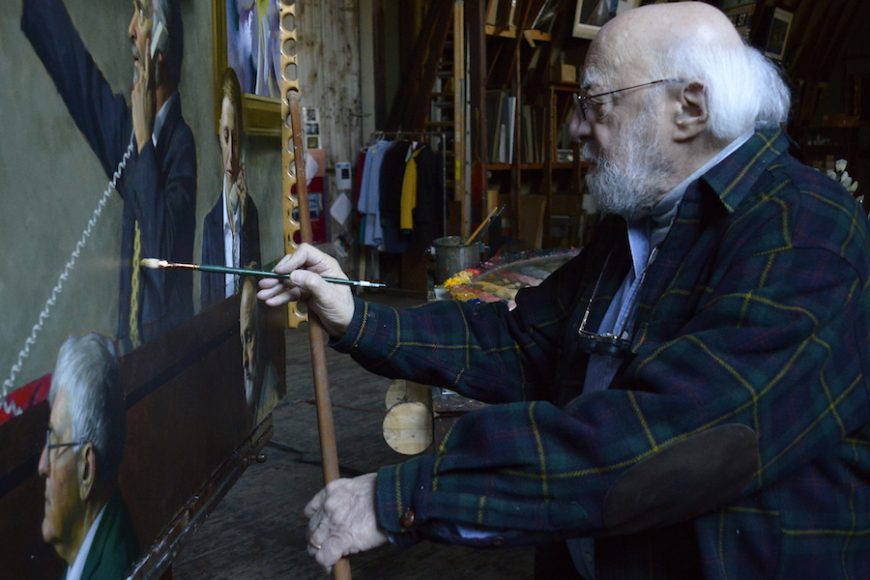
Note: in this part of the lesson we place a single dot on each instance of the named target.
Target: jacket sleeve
(481, 350)
(102, 116)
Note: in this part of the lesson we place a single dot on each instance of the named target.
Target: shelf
(524, 97)
(533, 36)
(500, 32)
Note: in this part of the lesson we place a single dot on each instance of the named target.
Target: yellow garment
(409, 193)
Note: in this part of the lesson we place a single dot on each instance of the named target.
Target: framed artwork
(590, 15)
(777, 35)
(245, 37)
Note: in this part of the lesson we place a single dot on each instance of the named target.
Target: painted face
(64, 509)
(248, 335)
(139, 32)
(229, 139)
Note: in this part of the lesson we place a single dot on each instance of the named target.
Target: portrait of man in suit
(231, 230)
(262, 386)
(85, 520)
(147, 144)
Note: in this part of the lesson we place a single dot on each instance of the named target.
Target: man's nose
(43, 463)
(580, 128)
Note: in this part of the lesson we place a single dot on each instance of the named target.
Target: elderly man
(148, 143)
(691, 390)
(85, 518)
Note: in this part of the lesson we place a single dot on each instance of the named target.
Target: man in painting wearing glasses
(86, 520)
(691, 390)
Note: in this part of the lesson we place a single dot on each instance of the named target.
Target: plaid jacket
(733, 443)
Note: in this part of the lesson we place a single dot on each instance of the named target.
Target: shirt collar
(647, 233)
(236, 214)
(74, 572)
(160, 118)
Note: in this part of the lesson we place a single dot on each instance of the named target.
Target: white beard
(626, 180)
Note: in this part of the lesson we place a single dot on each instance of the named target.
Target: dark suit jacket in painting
(158, 185)
(115, 547)
(212, 285)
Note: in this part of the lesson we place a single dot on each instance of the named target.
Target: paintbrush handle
(267, 274)
(241, 271)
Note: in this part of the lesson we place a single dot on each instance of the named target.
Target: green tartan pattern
(754, 314)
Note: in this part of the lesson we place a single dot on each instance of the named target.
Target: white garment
(74, 572)
(232, 241)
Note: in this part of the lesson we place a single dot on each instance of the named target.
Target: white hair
(745, 90)
(87, 372)
(168, 13)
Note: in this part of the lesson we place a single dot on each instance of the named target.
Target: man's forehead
(58, 420)
(144, 5)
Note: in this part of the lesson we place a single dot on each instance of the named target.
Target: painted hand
(142, 100)
(241, 187)
(332, 303)
(342, 520)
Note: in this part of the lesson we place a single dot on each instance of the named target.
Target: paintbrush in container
(157, 264)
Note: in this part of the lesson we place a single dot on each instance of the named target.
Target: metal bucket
(452, 256)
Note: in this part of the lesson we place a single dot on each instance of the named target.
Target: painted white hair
(745, 90)
(87, 371)
(168, 12)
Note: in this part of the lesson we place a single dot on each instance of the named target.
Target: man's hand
(142, 99)
(332, 303)
(342, 521)
(241, 188)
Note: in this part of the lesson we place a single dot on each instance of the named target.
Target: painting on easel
(137, 395)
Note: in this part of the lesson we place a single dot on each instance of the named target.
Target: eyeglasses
(616, 344)
(583, 103)
(49, 445)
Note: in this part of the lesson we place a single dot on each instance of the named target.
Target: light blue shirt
(160, 118)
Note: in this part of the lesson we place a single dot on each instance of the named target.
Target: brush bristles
(153, 263)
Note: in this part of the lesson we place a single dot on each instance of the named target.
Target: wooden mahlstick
(292, 158)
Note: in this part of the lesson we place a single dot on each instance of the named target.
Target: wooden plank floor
(258, 530)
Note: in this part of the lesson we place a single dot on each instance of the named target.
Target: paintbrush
(156, 264)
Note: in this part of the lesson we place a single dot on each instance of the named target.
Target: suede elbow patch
(684, 480)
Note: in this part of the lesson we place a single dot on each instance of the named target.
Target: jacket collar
(165, 120)
(733, 178)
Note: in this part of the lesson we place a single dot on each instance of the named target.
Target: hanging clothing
(409, 193)
(369, 200)
(392, 174)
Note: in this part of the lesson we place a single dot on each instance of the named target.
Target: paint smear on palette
(499, 279)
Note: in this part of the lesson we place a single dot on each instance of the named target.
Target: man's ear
(692, 116)
(88, 472)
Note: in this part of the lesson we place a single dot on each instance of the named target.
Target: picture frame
(777, 34)
(591, 15)
(261, 115)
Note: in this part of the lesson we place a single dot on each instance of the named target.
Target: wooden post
(291, 143)
(460, 193)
